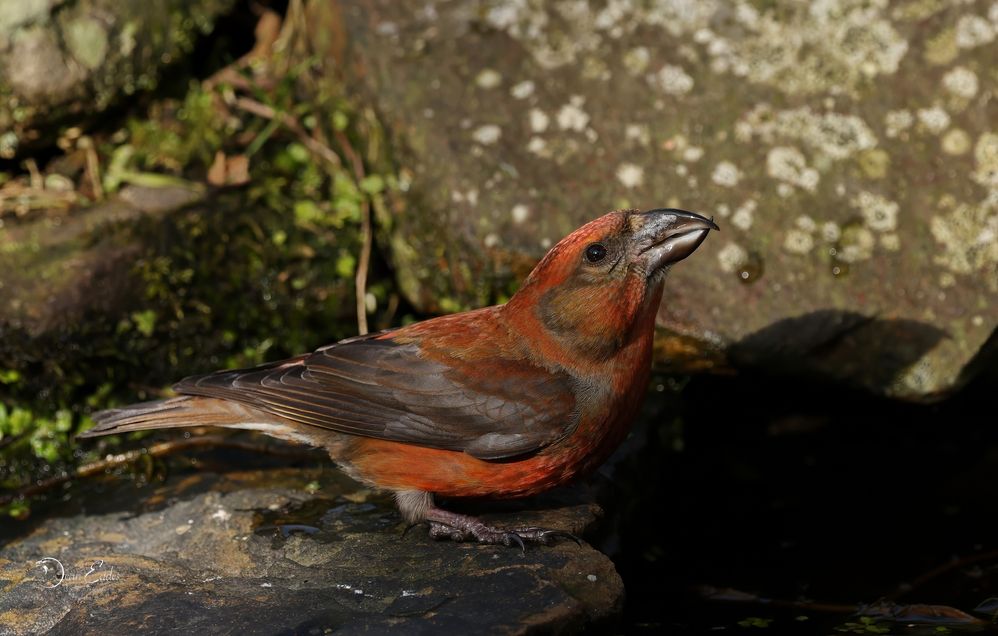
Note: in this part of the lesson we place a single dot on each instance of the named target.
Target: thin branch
(363, 263)
(92, 171)
(360, 280)
(36, 179)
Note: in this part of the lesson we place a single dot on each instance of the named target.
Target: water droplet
(752, 269)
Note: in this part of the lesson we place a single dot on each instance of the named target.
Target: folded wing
(375, 387)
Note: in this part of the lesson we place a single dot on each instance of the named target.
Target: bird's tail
(170, 413)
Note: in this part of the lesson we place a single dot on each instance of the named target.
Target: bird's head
(597, 283)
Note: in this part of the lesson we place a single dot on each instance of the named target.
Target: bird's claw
(542, 535)
(481, 533)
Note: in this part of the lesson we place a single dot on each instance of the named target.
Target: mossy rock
(65, 61)
(845, 148)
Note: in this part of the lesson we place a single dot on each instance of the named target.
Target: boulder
(847, 149)
(292, 551)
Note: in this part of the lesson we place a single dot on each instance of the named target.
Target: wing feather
(377, 387)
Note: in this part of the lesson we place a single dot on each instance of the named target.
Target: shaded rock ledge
(256, 553)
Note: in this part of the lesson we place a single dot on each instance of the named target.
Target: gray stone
(292, 551)
(847, 149)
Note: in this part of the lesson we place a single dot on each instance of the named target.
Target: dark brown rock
(208, 554)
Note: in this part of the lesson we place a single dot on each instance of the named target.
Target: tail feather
(170, 413)
(189, 410)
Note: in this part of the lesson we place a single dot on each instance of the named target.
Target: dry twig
(363, 263)
(290, 122)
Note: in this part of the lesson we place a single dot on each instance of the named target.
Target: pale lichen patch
(469, 196)
(806, 224)
(808, 47)
(726, 174)
(538, 120)
(898, 121)
(879, 213)
(798, 241)
(969, 238)
(636, 60)
(973, 31)
(830, 231)
(539, 147)
(856, 244)
(522, 90)
(519, 213)
(672, 80)
(744, 216)
(962, 82)
(834, 135)
(789, 165)
(487, 134)
(956, 142)
(488, 79)
(918, 10)
(637, 133)
(572, 117)
(630, 175)
(935, 120)
(732, 257)
(890, 242)
(942, 48)
(986, 160)
(692, 153)
(874, 163)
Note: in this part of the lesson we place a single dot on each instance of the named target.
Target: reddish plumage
(505, 401)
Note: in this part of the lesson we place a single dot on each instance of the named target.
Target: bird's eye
(595, 253)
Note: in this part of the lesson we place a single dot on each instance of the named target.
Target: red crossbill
(505, 401)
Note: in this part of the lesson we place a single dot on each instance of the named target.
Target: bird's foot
(449, 525)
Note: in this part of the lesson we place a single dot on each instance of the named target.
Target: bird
(499, 402)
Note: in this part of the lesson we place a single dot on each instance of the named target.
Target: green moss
(247, 275)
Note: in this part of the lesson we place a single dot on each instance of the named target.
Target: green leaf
(372, 184)
(145, 321)
(307, 212)
(345, 265)
(340, 120)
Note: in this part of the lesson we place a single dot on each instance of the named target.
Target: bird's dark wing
(376, 387)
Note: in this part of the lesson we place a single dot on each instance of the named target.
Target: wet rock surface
(292, 551)
(847, 149)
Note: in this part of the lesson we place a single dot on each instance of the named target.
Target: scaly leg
(417, 507)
